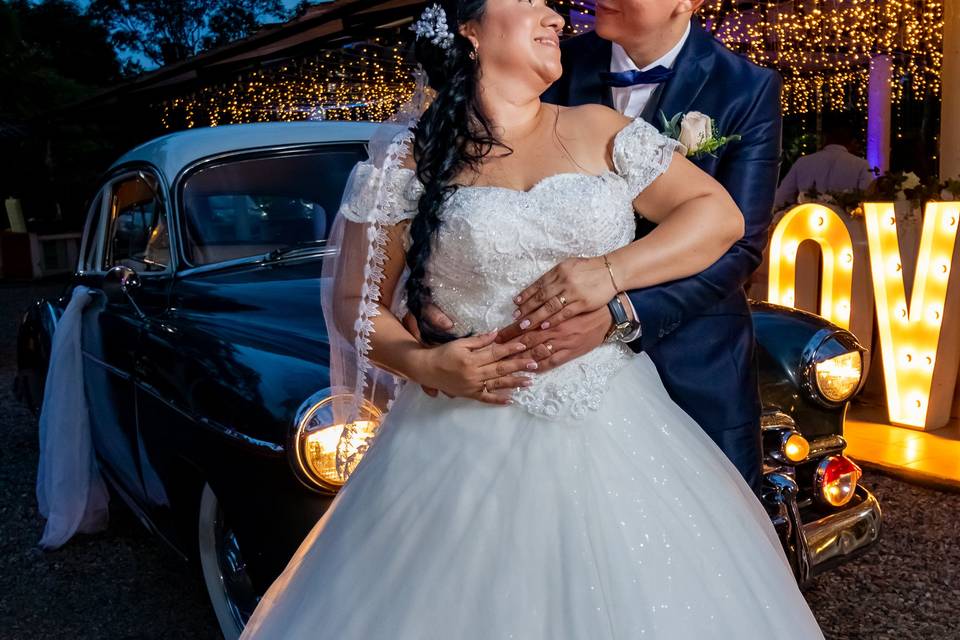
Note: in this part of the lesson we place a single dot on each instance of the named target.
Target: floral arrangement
(890, 187)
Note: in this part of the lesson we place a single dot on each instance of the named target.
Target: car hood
(273, 306)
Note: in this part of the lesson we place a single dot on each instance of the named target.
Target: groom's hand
(562, 343)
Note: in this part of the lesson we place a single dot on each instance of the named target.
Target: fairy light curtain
(823, 49)
(363, 82)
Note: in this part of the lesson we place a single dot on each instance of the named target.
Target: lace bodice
(494, 241)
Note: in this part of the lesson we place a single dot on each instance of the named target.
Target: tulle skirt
(470, 521)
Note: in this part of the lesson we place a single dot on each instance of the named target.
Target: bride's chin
(552, 76)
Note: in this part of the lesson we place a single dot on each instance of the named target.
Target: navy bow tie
(629, 78)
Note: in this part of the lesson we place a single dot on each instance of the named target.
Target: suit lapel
(585, 84)
(693, 67)
(651, 111)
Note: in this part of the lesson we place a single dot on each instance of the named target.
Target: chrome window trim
(83, 258)
(117, 174)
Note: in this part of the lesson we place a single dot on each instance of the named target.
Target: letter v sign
(918, 344)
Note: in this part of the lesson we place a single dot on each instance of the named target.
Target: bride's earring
(473, 54)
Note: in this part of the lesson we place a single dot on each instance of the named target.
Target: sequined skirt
(467, 521)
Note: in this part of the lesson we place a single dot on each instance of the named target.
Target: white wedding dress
(592, 508)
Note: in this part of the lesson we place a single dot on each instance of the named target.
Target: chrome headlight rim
(813, 354)
(818, 481)
(296, 455)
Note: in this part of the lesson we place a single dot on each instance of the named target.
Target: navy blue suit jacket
(698, 330)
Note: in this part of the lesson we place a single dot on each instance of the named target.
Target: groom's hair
(452, 134)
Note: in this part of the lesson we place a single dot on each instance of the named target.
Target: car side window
(138, 236)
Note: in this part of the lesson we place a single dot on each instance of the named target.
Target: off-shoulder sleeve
(374, 194)
(641, 153)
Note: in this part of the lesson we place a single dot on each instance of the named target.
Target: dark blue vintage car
(206, 360)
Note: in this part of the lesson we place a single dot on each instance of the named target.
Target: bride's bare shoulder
(592, 120)
(591, 128)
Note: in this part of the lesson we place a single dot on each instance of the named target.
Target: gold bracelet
(610, 269)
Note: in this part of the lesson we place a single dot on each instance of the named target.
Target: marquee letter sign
(919, 335)
(846, 296)
(822, 225)
(918, 343)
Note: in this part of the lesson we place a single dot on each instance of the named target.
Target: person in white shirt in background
(833, 168)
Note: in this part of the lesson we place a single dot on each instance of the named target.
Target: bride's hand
(573, 287)
(476, 367)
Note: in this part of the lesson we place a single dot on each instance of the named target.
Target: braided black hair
(452, 134)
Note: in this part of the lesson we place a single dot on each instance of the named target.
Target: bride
(581, 503)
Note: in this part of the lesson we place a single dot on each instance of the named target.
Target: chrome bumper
(816, 546)
(842, 535)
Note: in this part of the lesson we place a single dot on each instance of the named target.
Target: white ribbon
(70, 491)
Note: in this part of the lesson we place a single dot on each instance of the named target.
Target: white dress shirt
(630, 101)
(831, 169)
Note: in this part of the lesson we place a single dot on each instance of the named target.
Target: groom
(697, 330)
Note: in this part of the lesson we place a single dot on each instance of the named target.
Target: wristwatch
(622, 324)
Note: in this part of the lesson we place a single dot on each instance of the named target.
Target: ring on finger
(563, 301)
(549, 346)
(485, 390)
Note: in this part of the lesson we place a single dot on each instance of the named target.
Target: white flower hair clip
(433, 24)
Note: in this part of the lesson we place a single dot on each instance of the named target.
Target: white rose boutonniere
(696, 131)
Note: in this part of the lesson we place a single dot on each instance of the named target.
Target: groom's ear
(688, 6)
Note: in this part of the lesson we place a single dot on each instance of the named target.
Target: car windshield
(241, 208)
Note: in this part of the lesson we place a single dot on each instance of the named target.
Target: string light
(825, 48)
(822, 48)
(366, 82)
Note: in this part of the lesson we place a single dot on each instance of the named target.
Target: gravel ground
(123, 583)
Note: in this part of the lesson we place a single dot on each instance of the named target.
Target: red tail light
(836, 480)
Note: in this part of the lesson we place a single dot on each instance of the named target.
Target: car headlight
(831, 366)
(317, 437)
(839, 377)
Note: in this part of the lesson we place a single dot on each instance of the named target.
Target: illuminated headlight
(318, 436)
(831, 366)
(836, 480)
(839, 377)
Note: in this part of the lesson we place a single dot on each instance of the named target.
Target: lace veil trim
(380, 193)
